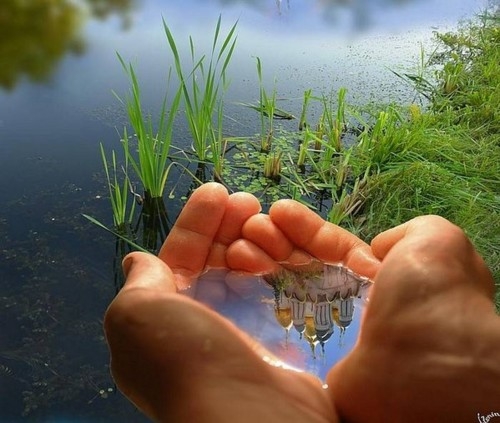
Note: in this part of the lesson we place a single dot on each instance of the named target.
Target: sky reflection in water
(308, 318)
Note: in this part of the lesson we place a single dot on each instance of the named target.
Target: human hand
(178, 360)
(429, 345)
(428, 349)
(167, 361)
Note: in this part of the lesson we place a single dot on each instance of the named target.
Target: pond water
(58, 68)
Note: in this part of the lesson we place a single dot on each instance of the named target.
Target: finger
(261, 230)
(422, 227)
(245, 256)
(239, 208)
(436, 244)
(384, 241)
(431, 296)
(188, 244)
(323, 240)
(146, 271)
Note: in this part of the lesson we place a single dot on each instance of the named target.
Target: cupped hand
(178, 360)
(429, 345)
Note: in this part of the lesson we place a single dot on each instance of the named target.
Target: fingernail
(127, 264)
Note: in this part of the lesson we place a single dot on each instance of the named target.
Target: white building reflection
(315, 302)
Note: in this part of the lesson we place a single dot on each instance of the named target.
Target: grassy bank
(449, 158)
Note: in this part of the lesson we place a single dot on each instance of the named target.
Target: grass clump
(119, 192)
(153, 144)
(203, 88)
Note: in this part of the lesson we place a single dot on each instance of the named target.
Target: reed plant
(347, 201)
(153, 224)
(303, 152)
(422, 79)
(321, 158)
(218, 147)
(203, 87)
(381, 141)
(398, 163)
(267, 109)
(153, 144)
(326, 138)
(418, 187)
(273, 166)
(468, 60)
(333, 122)
(305, 105)
(122, 205)
(445, 159)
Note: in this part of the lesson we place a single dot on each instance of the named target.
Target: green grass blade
(124, 238)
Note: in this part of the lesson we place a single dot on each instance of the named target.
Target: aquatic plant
(366, 168)
(326, 138)
(218, 146)
(267, 108)
(203, 87)
(467, 65)
(347, 200)
(381, 141)
(303, 113)
(121, 206)
(118, 235)
(153, 145)
(335, 124)
(302, 154)
(155, 223)
(273, 166)
(421, 79)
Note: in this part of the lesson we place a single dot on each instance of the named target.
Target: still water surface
(57, 272)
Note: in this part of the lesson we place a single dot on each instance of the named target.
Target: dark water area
(58, 68)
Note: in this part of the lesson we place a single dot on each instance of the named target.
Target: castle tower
(342, 313)
(310, 328)
(298, 314)
(346, 312)
(323, 320)
(283, 311)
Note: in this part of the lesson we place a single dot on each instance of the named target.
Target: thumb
(146, 271)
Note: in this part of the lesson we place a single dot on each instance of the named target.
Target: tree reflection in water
(333, 12)
(36, 35)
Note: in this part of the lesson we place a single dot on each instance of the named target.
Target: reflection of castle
(314, 302)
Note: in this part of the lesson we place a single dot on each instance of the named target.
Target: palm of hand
(211, 371)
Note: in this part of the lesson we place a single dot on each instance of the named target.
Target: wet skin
(429, 342)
